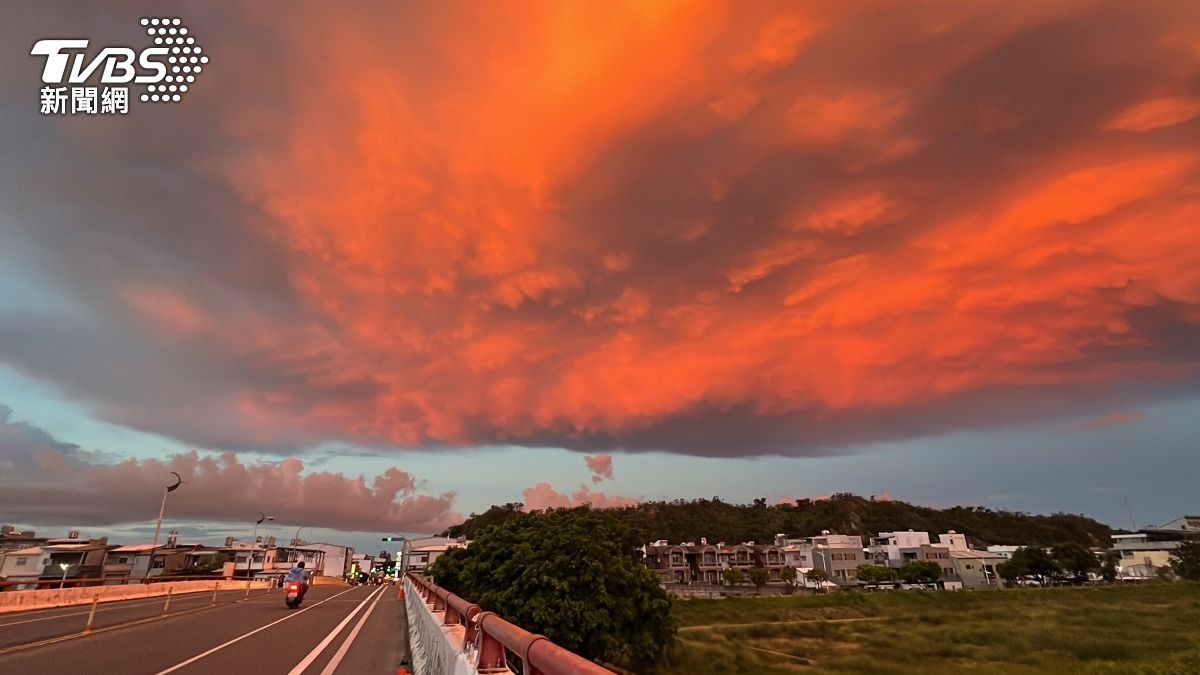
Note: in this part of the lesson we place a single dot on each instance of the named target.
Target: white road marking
(243, 637)
(316, 651)
(113, 606)
(341, 652)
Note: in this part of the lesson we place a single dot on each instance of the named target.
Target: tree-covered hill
(718, 520)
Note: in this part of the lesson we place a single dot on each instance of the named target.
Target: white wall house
(954, 541)
(337, 559)
(887, 547)
(23, 564)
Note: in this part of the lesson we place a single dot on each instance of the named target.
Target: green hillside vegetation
(717, 520)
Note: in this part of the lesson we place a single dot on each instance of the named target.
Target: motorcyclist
(296, 575)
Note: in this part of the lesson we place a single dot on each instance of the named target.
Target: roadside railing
(493, 639)
(45, 583)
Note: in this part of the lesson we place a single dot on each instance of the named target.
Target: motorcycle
(293, 594)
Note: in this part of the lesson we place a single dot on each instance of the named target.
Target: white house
(24, 564)
(954, 541)
(1004, 551)
(887, 547)
(421, 557)
(1141, 556)
(337, 559)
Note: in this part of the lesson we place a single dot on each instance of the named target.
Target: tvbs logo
(167, 69)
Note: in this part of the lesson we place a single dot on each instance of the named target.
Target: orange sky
(575, 222)
(591, 225)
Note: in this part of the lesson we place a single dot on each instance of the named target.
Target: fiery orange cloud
(446, 231)
(698, 226)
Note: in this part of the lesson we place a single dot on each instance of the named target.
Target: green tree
(816, 575)
(759, 577)
(1109, 569)
(873, 574)
(1012, 569)
(788, 575)
(571, 575)
(733, 576)
(689, 520)
(920, 572)
(1075, 559)
(1186, 561)
(1029, 561)
(1040, 563)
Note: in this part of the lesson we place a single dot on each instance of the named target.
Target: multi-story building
(887, 548)
(976, 569)
(799, 555)
(336, 561)
(772, 558)
(738, 556)
(421, 557)
(838, 559)
(669, 561)
(1140, 557)
(1144, 552)
(72, 558)
(12, 539)
(954, 541)
(1005, 551)
(23, 566)
(704, 562)
(142, 561)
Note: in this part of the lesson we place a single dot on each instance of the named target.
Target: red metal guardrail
(492, 636)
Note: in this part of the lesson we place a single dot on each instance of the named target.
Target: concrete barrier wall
(434, 648)
(13, 601)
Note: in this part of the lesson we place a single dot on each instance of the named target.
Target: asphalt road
(358, 629)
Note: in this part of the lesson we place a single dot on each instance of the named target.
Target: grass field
(1143, 629)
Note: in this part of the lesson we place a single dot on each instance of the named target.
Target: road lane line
(243, 637)
(341, 652)
(105, 607)
(312, 656)
(104, 629)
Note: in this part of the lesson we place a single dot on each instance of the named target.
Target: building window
(21, 561)
(122, 561)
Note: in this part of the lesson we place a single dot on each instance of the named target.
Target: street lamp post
(254, 541)
(158, 524)
(405, 541)
(64, 567)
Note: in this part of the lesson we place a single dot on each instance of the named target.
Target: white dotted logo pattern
(185, 62)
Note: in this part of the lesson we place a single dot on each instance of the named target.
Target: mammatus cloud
(1112, 420)
(45, 481)
(701, 227)
(601, 467)
(543, 496)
